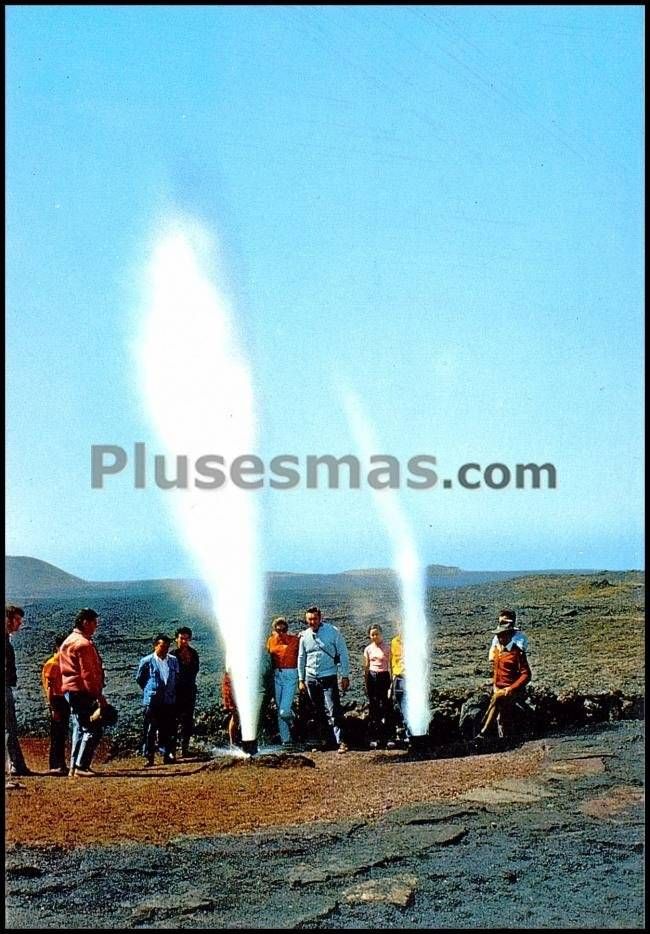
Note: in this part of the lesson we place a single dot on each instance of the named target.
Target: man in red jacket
(511, 673)
(82, 680)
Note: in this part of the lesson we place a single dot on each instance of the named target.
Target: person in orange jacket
(511, 673)
(282, 646)
(58, 707)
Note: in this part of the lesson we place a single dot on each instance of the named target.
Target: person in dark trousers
(15, 764)
(398, 689)
(188, 669)
(321, 654)
(157, 676)
(58, 707)
(511, 673)
(376, 665)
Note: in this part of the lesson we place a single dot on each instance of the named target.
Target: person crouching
(157, 675)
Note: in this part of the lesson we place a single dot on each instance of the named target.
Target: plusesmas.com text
(311, 472)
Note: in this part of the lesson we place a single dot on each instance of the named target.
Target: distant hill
(433, 570)
(29, 577)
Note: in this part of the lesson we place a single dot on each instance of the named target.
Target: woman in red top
(282, 646)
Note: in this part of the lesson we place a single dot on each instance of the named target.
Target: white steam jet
(410, 573)
(199, 395)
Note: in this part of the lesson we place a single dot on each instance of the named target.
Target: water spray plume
(410, 574)
(198, 392)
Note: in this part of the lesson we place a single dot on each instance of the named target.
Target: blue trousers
(85, 734)
(286, 684)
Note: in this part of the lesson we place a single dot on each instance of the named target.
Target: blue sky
(438, 206)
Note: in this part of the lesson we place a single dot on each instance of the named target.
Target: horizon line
(451, 567)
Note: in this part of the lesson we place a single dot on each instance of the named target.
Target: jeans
(159, 729)
(286, 684)
(85, 734)
(58, 731)
(14, 760)
(324, 695)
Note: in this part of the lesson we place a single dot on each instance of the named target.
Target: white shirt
(163, 667)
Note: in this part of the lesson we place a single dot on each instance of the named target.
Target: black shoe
(169, 759)
(21, 773)
(148, 763)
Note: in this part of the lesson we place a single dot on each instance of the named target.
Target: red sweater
(81, 666)
(511, 669)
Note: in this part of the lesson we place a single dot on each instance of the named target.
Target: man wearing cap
(519, 638)
(321, 653)
(282, 646)
(510, 673)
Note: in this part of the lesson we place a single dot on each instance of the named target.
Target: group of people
(313, 661)
(73, 681)
(309, 664)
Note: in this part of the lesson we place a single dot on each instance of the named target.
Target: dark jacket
(186, 680)
(10, 663)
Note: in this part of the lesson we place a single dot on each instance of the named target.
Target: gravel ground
(547, 835)
(127, 803)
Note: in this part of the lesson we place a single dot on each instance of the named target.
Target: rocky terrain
(572, 622)
(547, 835)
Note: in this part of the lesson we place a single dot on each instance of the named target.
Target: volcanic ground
(545, 834)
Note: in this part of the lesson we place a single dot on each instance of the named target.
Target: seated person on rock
(510, 674)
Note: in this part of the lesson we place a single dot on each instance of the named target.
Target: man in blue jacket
(157, 676)
(323, 653)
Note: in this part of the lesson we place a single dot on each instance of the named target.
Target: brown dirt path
(127, 803)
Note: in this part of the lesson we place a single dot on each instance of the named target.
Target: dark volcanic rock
(283, 760)
(23, 872)
(558, 862)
